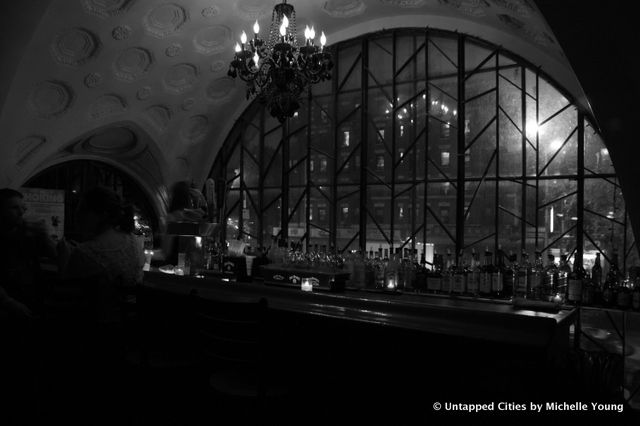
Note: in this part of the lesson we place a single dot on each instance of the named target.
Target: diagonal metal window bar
(444, 92)
(317, 187)
(506, 114)
(481, 132)
(346, 77)
(411, 99)
(348, 116)
(382, 88)
(442, 225)
(296, 164)
(244, 189)
(628, 252)
(520, 218)
(384, 143)
(376, 177)
(610, 219)
(606, 178)
(293, 210)
(409, 188)
(250, 154)
(484, 175)
(232, 208)
(411, 147)
(267, 169)
(508, 80)
(351, 154)
(356, 235)
(480, 240)
(554, 115)
(559, 149)
(375, 222)
(411, 58)
(480, 65)
(447, 178)
(411, 237)
(313, 225)
(319, 151)
(348, 194)
(479, 95)
(586, 234)
(431, 42)
(548, 203)
(271, 203)
(381, 47)
(558, 239)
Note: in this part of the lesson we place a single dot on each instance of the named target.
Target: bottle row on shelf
(499, 276)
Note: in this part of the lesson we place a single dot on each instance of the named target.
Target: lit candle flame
(256, 28)
(323, 39)
(283, 30)
(312, 33)
(237, 48)
(307, 32)
(243, 38)
(256, 58)
(285, 21)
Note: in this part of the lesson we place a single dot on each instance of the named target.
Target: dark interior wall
(602, 41)
(18, 22)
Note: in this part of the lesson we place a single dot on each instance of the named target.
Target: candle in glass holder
(557, 298)
(392, 283)
(306, 285)
(148, 254)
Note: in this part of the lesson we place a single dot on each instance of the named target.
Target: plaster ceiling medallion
(220, 88)
(111, 141)
(537, 35)
(212, 40)
(473, 8)
(211, 11)
(165, 20)
(218, 66)
(121, 32)
(74, 46)
(187, 104)
(344, 8)
(173, 50)
(132, 63)
(408, 4)
(143, 93)
(106, 8)
(93, 80)
(159, 117)
(180, 78)
(522, 8)
(252, 10)
(50, 98)
(106, 106)
(26, 147)
(195, 129)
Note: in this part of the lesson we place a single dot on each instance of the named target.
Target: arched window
(427, 140)
(76, 176)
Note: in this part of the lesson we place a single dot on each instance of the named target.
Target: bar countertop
(484, 319)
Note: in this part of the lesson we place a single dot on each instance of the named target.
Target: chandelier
(278, 72)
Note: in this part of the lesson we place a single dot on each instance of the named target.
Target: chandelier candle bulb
(256, 29)
(243, 39)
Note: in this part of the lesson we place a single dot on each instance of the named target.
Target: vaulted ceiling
(142, 84)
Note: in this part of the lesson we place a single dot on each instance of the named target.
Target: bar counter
(483, 319)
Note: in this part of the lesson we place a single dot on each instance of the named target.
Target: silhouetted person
(22, 243)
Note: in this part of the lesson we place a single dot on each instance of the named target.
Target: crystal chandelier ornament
(278, 72)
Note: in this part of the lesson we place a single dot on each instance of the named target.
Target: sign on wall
(47, 206)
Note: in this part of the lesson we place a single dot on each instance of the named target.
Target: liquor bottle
(459, 287)
(447, 275)
(550, 279)
(509, 275)
(610, 287)
(575, 285)
(474, 275)
(434, 277)
(523, 276)
(497, 283)
(392, 272)
(596, 281)
(635, 295)
(486, 275)
(537, 278)
(623, 297)
(378, 267)
(563, 277)
(359, 270)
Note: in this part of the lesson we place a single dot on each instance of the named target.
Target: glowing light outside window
(555, 144)
(380, 161)
(323, 165)
(551, 218)
(401, 131)
(380, 136)
(346, 135)
(444, 158)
